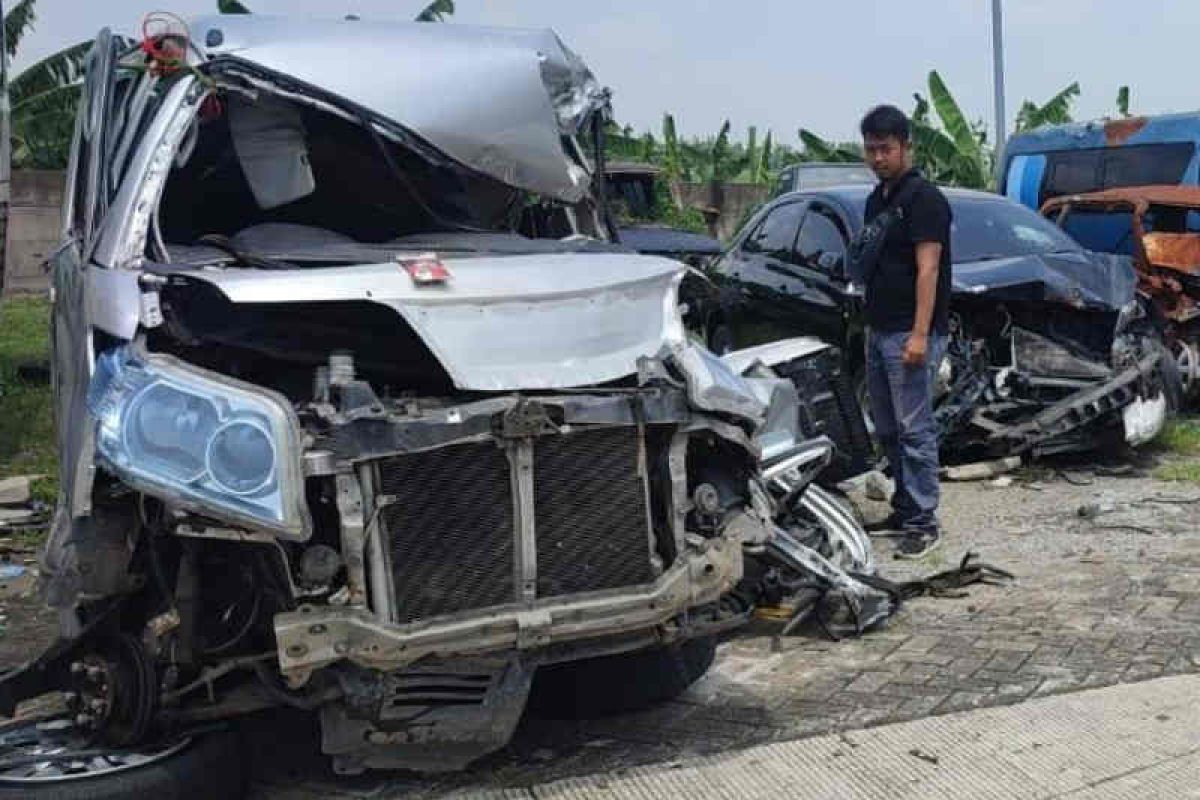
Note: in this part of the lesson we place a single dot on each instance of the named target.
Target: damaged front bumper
(1134, 397)
(313, 637)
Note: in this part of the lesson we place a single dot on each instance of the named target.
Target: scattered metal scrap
(838, 616)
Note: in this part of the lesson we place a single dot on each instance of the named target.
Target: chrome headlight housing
(202, 441)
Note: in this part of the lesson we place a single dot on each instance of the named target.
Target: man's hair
(884, 121)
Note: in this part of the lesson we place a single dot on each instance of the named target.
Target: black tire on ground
(211, 766)
(597, 687)
(1172, 380)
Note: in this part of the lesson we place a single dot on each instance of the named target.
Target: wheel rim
(55, 750)
(1187, 360)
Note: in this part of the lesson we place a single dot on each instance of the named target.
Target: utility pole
(998, 75)
(5, 149)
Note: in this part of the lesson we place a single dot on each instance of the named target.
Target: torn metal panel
(505, 323)
(496, 100)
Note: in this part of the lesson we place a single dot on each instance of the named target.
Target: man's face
(887, 156)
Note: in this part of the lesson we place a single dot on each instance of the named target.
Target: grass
(1181, 439)
(27, 445)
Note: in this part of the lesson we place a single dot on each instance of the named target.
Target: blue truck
(1105, 154)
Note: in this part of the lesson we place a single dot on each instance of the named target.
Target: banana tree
(37, 107)
(818, 149)
(1055, 111)
(954, 151)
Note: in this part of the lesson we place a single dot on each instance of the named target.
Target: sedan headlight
(204, 441)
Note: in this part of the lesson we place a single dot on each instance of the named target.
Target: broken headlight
(203, 441)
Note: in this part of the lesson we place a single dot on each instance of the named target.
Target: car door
(70, 335)
(812, 286)
(749, 275)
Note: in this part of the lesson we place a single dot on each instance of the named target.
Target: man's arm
(929, 259)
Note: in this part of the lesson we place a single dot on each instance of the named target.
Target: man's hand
(915, 349)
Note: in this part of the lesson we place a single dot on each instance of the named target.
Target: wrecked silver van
(338, 432)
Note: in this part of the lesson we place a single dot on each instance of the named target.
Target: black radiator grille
(590, 512)
(828, 407)
(450, 529)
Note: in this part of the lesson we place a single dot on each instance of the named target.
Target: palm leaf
(953, 121)
(437, 11)
(1055, 111)
(59, 69)
(816, 148)
(17, 23)
(59, 100)
(1123, 101)
(231, 7)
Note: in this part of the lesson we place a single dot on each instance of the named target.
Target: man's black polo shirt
(891, 295)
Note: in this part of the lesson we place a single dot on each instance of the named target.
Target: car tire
(618, 684)
(1172, 380)
(210, 765)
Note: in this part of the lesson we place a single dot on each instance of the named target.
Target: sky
(786, 64)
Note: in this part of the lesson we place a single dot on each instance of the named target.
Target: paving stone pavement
(1098, 601)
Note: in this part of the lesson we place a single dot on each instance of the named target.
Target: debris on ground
(15, 491)
(13, 517)
(1003, 482)
(878, 486)
(981, 470)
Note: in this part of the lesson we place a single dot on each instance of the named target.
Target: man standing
(907, 285)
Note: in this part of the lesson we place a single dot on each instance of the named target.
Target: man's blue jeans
(902, 410)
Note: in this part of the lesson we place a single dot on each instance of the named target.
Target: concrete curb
(1137, 740)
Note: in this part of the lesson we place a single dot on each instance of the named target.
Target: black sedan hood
(658, 240)
(1085, 280)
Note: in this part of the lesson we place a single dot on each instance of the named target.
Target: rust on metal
(1118, 131)
(1179, 251)
(1162, 258)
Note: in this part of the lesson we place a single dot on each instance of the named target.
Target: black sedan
(1046, 338)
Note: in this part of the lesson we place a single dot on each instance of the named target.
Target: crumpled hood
(1099, 281)
(497, 100)
(504, 323)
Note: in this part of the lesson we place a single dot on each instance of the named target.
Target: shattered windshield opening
(985, 230)
(267, 175)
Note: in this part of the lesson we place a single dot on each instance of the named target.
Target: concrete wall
(34, 228)
(725, 205)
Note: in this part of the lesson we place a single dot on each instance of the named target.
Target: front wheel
(52, 760)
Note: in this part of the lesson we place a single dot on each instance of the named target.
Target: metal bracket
(520, 456)
(533, 628)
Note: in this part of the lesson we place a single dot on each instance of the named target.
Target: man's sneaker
(919, 542)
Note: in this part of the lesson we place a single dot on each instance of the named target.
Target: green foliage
(760, 169)
(437, 11)
(1055, 111)
(818, 149)
(231, 7)
(43, 97)
(1123, 101)
(26, 417)
(17, 22)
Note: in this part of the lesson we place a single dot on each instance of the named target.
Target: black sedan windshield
(989, 229)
